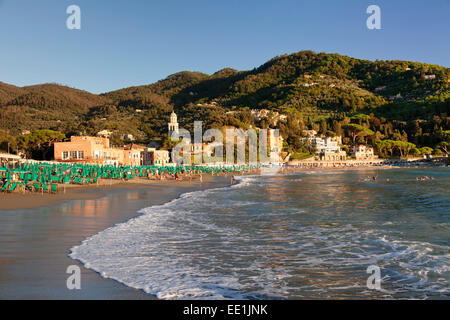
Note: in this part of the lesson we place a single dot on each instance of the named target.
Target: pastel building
(363, 152)
(327, 149)
(132, 155)
(153, 157)
(96, 150)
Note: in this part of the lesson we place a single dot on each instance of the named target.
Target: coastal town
(254, 154)
(85, 160)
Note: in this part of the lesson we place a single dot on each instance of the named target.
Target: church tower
(173, 124)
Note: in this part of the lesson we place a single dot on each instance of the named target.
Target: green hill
(9, 92)
(315, 90)
(314, 84)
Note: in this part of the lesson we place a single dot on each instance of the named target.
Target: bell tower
(173, 124)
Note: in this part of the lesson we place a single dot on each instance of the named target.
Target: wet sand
(28, 200)
(35, 239)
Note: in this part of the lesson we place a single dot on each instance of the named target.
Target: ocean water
(306, 235)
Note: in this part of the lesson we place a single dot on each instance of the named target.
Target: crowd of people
(40, 177)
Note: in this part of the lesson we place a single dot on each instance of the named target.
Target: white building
(128, 136)
(323, 144)
(327, 149)
(104, 133)
(362, 152)
(173, 124)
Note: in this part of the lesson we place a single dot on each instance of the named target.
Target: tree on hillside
(354, 130)
(323, 126)
(404, 147)
(8, 142)
(365, 134)
(426, 151)
(384, 146)
(38, 144)
(360, 118)
(444, 145)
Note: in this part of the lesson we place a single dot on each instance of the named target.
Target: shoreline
(35, 243)
(28, 201)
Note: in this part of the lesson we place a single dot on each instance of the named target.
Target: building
(9, 160)
(327, 149)
(86, 149)
(274, 141)
(173, 124)
(363, 152)
(104, 133)
(153, 157)
(96, 150)
(128, 137)
(132, 155)
(197, 147)
(396, 97)
(333, 156)
(310, 133)
(327, 144)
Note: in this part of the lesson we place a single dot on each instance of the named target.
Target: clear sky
(123, 43)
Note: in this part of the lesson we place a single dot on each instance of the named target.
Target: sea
(329, 234)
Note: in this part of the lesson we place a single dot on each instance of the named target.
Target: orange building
(96, 150)
(132, 155)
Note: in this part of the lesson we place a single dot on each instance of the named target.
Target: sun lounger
(6, 186)
(13, 187)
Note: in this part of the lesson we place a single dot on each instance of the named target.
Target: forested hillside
(388, 100)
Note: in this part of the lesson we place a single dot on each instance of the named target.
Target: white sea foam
(142, 254)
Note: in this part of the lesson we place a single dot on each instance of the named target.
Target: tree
(381, 146)
(426, 151)
(365, 133)
(353, 130)
(404, 148)
(323, 126)
(360, 118)
(37, 144)
(444, 146)
(386, 146)
(8, 142)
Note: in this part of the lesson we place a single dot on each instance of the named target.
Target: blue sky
(125, 43)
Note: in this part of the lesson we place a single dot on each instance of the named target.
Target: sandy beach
(37, 232)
